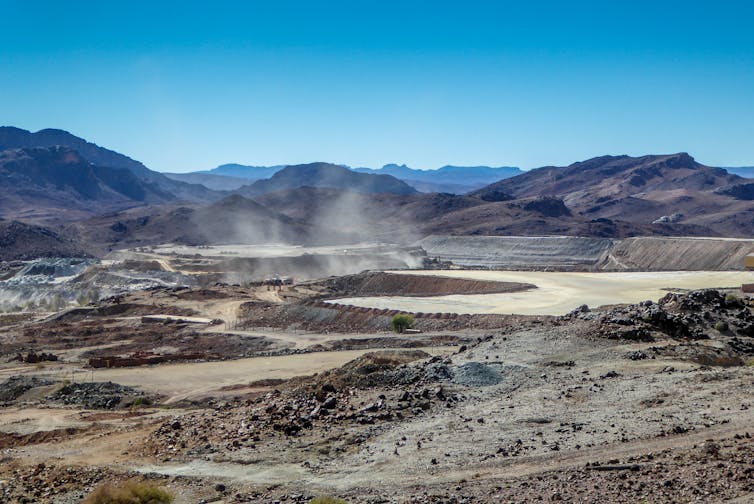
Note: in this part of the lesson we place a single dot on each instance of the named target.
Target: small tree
(401, 322)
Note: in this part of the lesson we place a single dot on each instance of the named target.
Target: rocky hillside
(396, 217)
(661, 189)
(20, 241)
(47, 180)
(13, 138)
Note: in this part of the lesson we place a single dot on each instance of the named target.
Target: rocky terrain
(647, 401)
(659, 189)
(152, 329)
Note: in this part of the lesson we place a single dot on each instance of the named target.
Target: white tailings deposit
(557, 293)
(569, 253)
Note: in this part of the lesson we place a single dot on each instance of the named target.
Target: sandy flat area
(263, 250)
(181, 381)
(557, 293)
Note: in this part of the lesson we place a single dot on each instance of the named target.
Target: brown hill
(326, 175)
(21, 241)
(390, 217)
(668, 189)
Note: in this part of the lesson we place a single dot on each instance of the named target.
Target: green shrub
(401, 322)
(731, 298)
(721, 326)
(327, 500)
(129, 492)
(141, 401)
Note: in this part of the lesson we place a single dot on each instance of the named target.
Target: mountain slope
(11, 138)
(21, 241)
(326, 175)
(670, 188)
(56, 180)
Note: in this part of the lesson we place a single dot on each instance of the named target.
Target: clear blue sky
(188, 85)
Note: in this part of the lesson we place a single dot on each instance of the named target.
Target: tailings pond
(557, 293)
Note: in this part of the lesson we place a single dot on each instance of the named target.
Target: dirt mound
(373, 369)
(331, 317)
(16, 386)
(114, 308)
(475, 374)
(391, 284)
(99, 395)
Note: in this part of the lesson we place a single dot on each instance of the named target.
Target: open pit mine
(454, 369)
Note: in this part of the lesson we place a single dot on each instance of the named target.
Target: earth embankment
(564, 253)
(376, 283)
(667, 254)
(519, 252)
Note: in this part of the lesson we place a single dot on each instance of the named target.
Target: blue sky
(188, 85)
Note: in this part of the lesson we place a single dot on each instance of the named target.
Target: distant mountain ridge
(245, 171)
(449, 174)
(210, 181)
(451, 179)
(741, 171)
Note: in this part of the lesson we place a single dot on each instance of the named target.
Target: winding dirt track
(388, 477)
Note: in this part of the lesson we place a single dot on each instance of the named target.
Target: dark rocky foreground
(647, 402)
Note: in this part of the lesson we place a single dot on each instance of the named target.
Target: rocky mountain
(642, 190)
(610, 196)
(326, 175)
(38, 181)
(11, 138)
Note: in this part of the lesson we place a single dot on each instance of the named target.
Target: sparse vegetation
(328, 500)
(129, 492)
(401, 322)
(721, 326)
